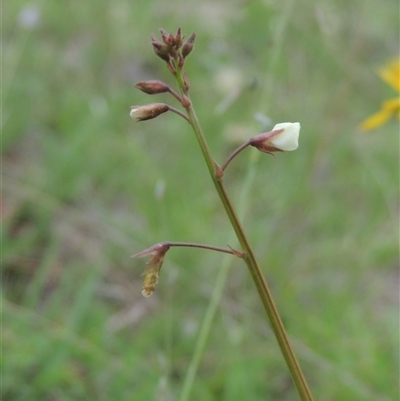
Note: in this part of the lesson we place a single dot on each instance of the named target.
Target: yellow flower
(391, 75)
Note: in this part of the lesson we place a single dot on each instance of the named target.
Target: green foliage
(84, 187)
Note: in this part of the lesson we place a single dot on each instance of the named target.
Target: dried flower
(148, 111)
(283, 137)
(152, 271)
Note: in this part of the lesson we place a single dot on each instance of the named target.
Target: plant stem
(234, 154)
(251, 262)
(218, 288)
(176, 111)
(174, 94)
(205, 246)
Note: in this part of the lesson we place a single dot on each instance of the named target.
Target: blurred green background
(84, 187)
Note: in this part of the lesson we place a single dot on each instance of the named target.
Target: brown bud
(160, 49)
(165, 36)
(178, 38)
(148, 111)
(188, 45)
(152, 87)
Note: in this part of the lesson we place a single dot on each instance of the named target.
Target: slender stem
(164, 246)
(251, 262)
(174, 94)
(176, 111)
(234, 154)
(205, 246)
(218, 288)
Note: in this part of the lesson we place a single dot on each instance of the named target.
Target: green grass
(84, 187)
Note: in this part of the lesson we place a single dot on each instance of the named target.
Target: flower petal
(288, 139)
(391, 74)
(376, 119)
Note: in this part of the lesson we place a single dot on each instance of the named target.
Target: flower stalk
(255, 271)
(283, 137)
(158, 252)
(169, 244)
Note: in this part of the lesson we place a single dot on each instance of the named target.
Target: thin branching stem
(174, 94)
(176, 111)
(249, 258)
(234, 154)
(205, 246)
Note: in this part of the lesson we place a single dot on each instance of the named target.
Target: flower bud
(166, 36)
(188, 45)
(160, 49)
(178, 38)
(152, 87)
(283, 137)
(148, 111)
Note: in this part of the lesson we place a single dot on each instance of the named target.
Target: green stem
(252, 264)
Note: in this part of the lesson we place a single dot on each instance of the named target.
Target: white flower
(284, 136)
(288, 139)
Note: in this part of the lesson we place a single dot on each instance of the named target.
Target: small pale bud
(152, 87)
(283, 137)
(148, 111)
